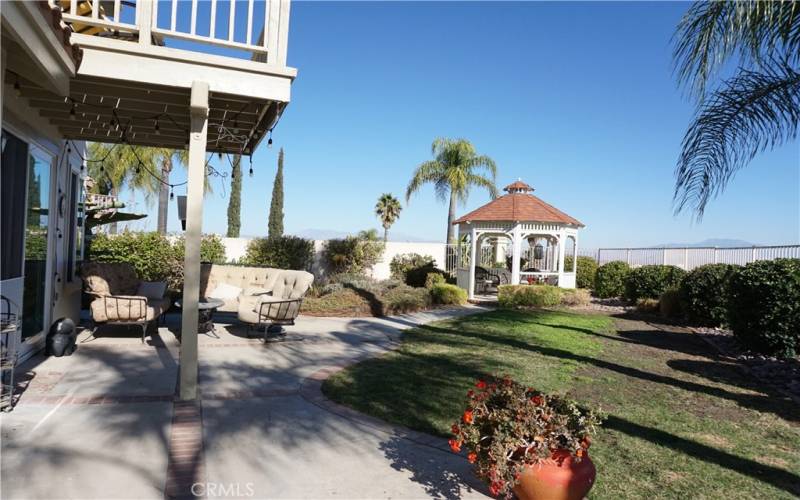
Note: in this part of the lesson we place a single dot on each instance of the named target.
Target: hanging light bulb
(112, 122)
(72, 112)
(251, 165)
(236, 127)
(17, 88)
(139, 168)
(171, 193)
(156, 127)
(219, 155)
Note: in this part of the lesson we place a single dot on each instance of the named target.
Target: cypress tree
(234, 204)
(276, 207)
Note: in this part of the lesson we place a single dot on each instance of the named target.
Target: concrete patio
(104, 422)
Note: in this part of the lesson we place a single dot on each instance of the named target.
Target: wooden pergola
(519, 217)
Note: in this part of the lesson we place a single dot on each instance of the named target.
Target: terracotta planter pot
(560, 478)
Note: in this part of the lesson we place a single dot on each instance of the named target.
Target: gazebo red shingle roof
(518, 205)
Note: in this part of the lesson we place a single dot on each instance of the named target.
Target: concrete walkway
(103, 423)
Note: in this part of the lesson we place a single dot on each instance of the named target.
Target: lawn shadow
(375, 305)
(775, 476)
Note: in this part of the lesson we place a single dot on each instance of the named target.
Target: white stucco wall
(235, 249)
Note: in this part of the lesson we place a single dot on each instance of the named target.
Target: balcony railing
(258, 27)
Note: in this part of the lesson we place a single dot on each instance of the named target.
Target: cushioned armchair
(119, 297)
(278, 306)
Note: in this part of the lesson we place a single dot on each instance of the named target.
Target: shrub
(404, 299)
(584, 271)
(510, 296)
(353, 254)
(764, 306)
(507, 427)
(576, 297)
(669, 304)
(704, 294)
(445, 294)
(434, 278)
(151, 254)
(647, 305)
(412, 268)
(281, 252)
(649, 282)
(211, 249)
(609, 280)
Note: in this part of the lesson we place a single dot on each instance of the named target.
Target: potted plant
(523, 441)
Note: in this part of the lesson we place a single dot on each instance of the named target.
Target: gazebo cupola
(519, 217)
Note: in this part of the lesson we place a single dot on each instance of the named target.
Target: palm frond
(753, 112)
(430, 171)
(710, 33)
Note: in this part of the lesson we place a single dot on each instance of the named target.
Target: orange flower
(455, 445)
(537, 400)
(468, 417)
(480, 384)
(496, 487)
(472, 457)
(580, 453)
(454, 429)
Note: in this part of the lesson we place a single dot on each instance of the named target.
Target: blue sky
(577, 99)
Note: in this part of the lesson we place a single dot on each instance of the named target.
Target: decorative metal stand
(9, 346)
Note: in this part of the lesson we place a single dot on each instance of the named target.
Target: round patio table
(206, 308)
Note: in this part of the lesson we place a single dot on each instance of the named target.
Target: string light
(156, 128)
(139, 168)
(269, 142)
(72, 112)
(251, 165)
(17, 88)
(171, 193)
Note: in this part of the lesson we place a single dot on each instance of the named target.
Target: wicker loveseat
(268, 296)
(114, 290)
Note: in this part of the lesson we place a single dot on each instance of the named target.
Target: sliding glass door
(36, 291)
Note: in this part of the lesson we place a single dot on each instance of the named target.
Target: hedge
(764, 306)
(412, 268)
(282, 252)
(609, 280)
(649, 282)
(353, 254)
(442, 293)
(704, 294)
(510, 296)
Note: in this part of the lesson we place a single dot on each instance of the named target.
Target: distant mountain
(327, 234)
(711, 242)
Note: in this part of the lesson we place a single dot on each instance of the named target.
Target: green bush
(412, 268)
(704, 294)
(404, 299)
(764, 306)
(442, 293)
(151, 254)
(575, 297)
(211, 249)
(609, 280)
(281, 252)
(647, 305)
(669, 304)
(434, 278)
(510, 296)
(584, 272)
(649, 282)
(353, 254)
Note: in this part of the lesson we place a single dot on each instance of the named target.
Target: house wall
(235, 249)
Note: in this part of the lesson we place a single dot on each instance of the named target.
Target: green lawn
(681, 423)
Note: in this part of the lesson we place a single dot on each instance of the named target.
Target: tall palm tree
(755, 110)
(388, 211)
(166, 158)
(453, 171)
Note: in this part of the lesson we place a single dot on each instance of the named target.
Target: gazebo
(513, 219)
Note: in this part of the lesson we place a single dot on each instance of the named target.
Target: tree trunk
(385, 234)
(451, 216)
(163, 196)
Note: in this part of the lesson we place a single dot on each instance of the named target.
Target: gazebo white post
(562, 243)
(473, 236)
(575, 259)
(516, 250)
(194, 226)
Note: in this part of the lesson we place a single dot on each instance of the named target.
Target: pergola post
(194, 227)
(562, 243)
(473, 237)
(516, 251)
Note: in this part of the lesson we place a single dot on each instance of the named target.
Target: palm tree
(453, 172)
(755, 110)
(388, 211)
(166, 158)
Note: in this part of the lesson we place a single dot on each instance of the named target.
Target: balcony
(139, 60)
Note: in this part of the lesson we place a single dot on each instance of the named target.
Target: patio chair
(120, 297)
(272, 310)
